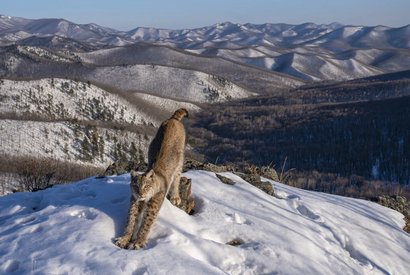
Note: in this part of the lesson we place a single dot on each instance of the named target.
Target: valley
(315, 98)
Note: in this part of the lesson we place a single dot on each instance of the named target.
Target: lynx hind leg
(174, 190)
(151, 214)
(133, 213)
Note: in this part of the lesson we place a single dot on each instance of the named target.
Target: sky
(180, 14)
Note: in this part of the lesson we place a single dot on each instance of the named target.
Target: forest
(359, 128)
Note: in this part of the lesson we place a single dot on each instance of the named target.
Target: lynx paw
(176, 200)
(121, 242)
(135, 246)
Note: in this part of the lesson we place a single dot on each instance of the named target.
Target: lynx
(165, 161)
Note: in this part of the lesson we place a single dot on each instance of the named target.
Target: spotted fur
(166, 158)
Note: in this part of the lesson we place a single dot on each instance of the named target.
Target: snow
(60, 141)
(234, 42)
(60, 100)
(168, 105)
(33, 96)
(43, 53)
(69, 229)
(170, 82)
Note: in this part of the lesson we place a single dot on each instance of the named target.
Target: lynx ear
(180, 113)
(150, 173)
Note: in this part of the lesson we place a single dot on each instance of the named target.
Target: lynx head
(143, 186)
(180, 113)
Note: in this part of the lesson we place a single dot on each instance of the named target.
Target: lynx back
(166, 158)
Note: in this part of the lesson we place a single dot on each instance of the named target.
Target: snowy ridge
(70, 229)
(168, 105)
(178, 76)
(168, 82)
(253, 44)
(255, 79)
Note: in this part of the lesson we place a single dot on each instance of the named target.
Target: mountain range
(257, 93)
(309, 52)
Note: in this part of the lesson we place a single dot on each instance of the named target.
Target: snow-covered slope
(68, 99)
(163, 72)
(70, 229)
(59, 118)
(251, 77)
(13, 29)
(252, 44)
(169, 82)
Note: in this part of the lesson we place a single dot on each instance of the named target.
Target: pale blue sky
(179, 14)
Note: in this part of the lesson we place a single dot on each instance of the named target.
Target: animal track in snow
(285, 196)
(262, 248)
(84, 214)
(11, 266)
(118, 200)
(346, 244)
(36, 229)
(25, 221)
(303, 210)
(294, 202)
(293, 197)
(235, 218)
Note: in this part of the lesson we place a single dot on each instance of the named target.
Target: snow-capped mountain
(307, 51)
(13, 29)
(70, 229)
(146, 68)
(227, 33)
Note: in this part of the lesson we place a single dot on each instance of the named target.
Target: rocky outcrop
(191, 164)
(249, 173)
(398, 203)
(225, 180)
(256, 181)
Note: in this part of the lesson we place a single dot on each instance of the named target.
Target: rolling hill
(336, 51)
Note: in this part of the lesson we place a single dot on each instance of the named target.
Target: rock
(256, 181)
(122, 167)
(187, 202)
(264, 171)
(196, 165)
(225, 179)
(270, 173)
(235, 242)
(191, 164)
(398, 203)
(218, 168)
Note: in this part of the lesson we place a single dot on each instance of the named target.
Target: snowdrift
(69, 229)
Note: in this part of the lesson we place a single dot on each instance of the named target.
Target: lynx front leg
(152, 211)
(174, 190)
(133, 213)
